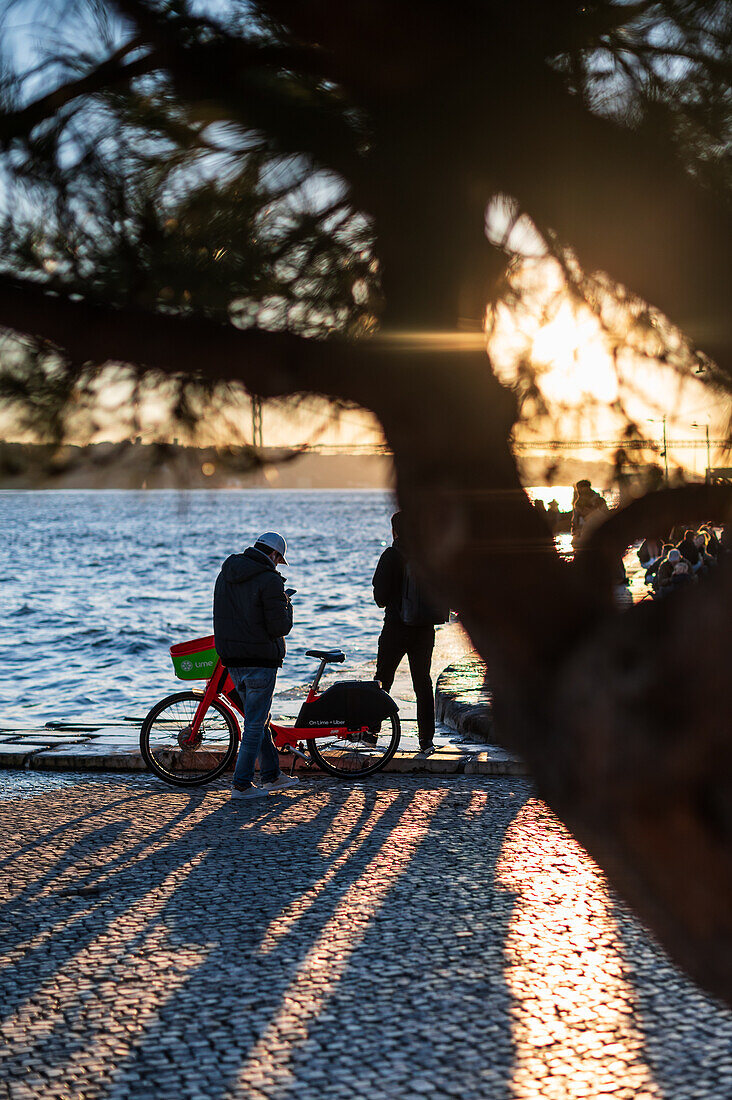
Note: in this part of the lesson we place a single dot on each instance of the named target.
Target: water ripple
(88, 636)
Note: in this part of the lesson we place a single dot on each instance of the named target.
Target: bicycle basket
(194, 660)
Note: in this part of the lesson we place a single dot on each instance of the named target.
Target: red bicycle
(351, 729)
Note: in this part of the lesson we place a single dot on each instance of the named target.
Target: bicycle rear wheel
(165, 740)
(353, 756)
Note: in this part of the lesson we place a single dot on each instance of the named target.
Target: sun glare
(573, 359)
(589, 387)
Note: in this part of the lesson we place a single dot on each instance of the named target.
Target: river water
(96, 585)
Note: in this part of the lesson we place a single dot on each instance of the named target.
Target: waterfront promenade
(462, 745)
(405, 937)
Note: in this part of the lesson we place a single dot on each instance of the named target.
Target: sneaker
(425, 752)
(247, 792)
(281, 783)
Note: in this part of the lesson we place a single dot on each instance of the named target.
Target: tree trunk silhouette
(623, 717)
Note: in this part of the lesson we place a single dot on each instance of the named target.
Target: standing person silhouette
(252, 614)
(409, 629)
(588, 509)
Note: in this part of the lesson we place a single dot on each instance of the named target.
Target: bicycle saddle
(335, 655)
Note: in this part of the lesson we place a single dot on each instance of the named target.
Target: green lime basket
(195, 660)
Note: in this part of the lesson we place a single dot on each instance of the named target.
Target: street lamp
(664, 452)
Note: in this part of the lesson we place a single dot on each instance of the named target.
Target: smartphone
(290, 591)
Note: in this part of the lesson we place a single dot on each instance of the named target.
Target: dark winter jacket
(388, 582)
(251, 612)
(689, 550)
(663, 574)
(389, 593)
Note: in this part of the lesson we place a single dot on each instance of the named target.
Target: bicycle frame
(222, 687)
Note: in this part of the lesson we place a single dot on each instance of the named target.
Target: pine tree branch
(270, 364)
(250, 82)
(659, 232)
(108, 74)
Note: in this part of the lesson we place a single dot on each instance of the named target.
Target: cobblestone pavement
(404, 937)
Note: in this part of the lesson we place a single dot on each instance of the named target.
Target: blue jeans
(256, 688)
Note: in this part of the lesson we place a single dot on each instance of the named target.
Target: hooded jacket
(251, 612)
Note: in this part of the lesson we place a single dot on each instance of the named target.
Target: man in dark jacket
(415, 639)
(252, 614)
(589, 508)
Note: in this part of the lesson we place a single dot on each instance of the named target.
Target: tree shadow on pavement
(83, 905)
(337, 933)
(62, 876)
(687, 1034)
(376, 962)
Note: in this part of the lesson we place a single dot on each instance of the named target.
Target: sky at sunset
(578, 377)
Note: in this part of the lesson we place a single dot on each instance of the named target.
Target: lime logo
(186, 665)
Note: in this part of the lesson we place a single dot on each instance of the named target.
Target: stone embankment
(463, 702)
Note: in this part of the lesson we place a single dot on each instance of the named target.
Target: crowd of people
(688, 555)
(685, 557)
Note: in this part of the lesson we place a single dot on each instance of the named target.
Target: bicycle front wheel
(353, 755)
(169, 752)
